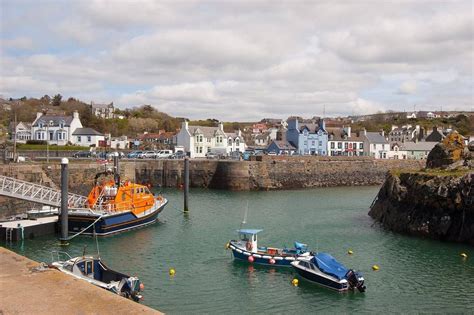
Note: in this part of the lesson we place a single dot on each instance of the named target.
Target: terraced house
(309, 138)
(341, 141)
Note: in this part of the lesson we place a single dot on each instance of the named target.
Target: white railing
(15, 188)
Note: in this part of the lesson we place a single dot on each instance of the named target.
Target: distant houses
(308, 138)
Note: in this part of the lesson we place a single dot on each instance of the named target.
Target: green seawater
(415, 276)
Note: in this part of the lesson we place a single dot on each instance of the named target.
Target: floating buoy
(350, 252)
(172, 272)
(142, 287)
(272, 261)
(375, 267)
(294, 282)
(227, 245)
(251, 259)
(463, 255)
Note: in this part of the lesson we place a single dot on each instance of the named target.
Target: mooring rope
(77, 234)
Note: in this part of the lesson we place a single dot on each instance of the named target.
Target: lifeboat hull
(110, 223)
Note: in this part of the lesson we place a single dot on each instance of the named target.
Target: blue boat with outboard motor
(246, 249)
(325, 270)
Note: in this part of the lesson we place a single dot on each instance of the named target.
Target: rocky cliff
(436, 205)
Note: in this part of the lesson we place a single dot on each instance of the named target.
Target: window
(320, 143)
(373, 146)
(229, 142)
(237, 142)
(200, 149)
(383, 146)
(339, 145)
(361, 145)
(346, 145)
(78, 138)
(332, 145)
(313, 142)
(89, 138)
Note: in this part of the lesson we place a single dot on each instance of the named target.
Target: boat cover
(330, 266)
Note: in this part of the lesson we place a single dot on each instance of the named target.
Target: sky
(242, 60)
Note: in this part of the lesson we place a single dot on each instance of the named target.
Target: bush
(43, 142)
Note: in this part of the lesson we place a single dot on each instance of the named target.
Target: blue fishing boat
(323, 269)
(246, 249)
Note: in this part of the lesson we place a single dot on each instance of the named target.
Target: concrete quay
(26, 289)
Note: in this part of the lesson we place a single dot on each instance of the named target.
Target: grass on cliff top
(432, 172)
(42, 147)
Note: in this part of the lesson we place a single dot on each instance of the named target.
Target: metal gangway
(20, 189)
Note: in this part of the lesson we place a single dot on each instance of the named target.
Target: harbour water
(415, 275)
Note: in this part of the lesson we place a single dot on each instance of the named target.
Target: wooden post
(186, 183)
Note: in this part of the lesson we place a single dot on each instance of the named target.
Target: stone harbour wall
(269, 173)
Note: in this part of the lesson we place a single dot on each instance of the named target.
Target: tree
(57, 100)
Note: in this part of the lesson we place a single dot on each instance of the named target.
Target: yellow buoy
(172, 271)
(350, 252)
(294, 282)
(227, 245)
(463, 255)
(375, 267)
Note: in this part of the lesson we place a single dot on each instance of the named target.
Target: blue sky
(242, 60)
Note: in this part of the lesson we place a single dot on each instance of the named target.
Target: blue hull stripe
(119, 222)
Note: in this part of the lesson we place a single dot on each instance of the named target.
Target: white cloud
(408, 87)
(242, 60)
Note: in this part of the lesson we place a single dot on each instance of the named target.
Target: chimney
(382, 133)
(75, 115)
(323, 124)
(221, 126)
(185, 125)
(364, 132)
(394, 127)
(347, 130)
(38, 115)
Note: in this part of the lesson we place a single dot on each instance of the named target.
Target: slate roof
(375, 137)
(206, 131)
(45, 119)
(338, 135)
(418, 146)
(86, 132)
(283, 145)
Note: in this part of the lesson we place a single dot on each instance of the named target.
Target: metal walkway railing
(15, 188)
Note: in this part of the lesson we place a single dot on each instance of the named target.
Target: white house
(87, 137)
(342, 142)
(199, 140)
(22, 132)
(105, 111)
(55, 129)
(397, 152)
(119, 142)
(375, 145)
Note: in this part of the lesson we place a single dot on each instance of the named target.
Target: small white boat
(93, 270)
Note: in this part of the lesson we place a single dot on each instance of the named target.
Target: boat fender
(272, 261)
(142, 287)
(251, 259)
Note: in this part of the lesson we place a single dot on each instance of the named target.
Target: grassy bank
(42, 147)
(432, 172)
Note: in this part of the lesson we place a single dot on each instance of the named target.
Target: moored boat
(115, 206)
(93, 270)
(246, 249)
(323, 269)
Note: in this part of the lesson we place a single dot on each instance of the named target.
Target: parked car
(83, 154)
(164, 154)
(178, 155)
(147, 155)
(235, 155)
(211, 155)
(110, 155)
(133, 154)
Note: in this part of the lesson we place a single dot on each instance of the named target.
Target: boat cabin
(249, 238)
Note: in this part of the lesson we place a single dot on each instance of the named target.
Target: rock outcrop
(449, 153)
(433, 206)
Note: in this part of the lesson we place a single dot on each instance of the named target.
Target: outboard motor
(354, 282)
